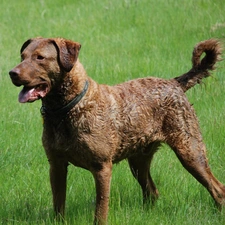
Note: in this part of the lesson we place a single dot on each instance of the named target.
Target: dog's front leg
(102, 181)
(58, 174)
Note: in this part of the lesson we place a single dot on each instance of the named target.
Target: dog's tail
(201, 67)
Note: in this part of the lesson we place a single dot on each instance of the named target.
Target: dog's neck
(68, 93)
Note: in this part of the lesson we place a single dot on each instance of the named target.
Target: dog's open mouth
(31, 94)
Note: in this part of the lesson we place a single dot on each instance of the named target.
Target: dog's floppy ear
(25, 44)
(68, 52)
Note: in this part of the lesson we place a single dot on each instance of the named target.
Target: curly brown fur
(201, 68)
(110, 123)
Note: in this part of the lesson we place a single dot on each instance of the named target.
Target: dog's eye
(40, 57)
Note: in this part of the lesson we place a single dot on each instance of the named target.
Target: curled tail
(201, 67)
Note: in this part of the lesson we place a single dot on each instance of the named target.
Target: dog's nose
(13, 73)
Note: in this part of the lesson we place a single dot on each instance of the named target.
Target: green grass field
(121, 40)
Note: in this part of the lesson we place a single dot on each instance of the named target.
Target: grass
(121, 40)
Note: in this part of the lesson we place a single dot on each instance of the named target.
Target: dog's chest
(63, 140)
(57, 134)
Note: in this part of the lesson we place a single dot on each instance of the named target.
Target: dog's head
(43, 63)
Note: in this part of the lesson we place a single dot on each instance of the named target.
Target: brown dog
(94, 126)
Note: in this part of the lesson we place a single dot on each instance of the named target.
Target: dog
(93, 126)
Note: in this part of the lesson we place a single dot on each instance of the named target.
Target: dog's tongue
(26, 95)
(32, 94)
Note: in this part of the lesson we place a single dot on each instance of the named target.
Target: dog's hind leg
(140, 168)
(191, 152)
